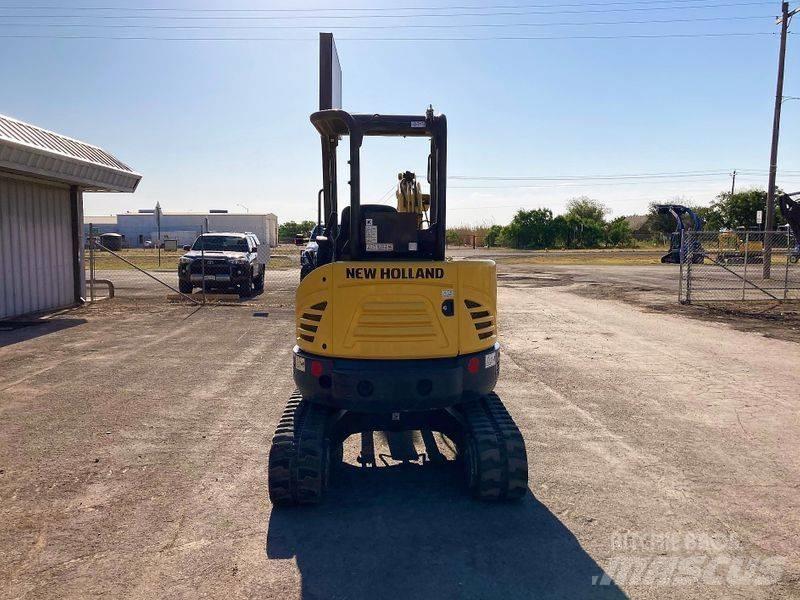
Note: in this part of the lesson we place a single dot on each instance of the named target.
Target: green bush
(291, 228)
(493, 235)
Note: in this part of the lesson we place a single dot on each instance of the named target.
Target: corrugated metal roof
(30, 149)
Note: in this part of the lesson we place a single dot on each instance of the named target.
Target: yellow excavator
(391, 337)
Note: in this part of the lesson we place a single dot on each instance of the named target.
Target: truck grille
(213, 267)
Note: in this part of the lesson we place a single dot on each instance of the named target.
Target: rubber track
(500, 450)
(297, 461)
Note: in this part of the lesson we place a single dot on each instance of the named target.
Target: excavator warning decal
(370, 233)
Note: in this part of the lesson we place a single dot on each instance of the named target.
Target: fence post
(91, 262)
(746, 259)
(786, 272)
(680, 274)
(689, 258)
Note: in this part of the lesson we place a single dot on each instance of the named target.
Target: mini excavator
(390, 336)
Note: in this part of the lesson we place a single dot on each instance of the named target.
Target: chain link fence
(152, 273)
(739, 266)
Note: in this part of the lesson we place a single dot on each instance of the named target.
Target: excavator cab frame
(334, 124)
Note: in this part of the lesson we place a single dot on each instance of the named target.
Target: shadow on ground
(16, 331)
(411, 532)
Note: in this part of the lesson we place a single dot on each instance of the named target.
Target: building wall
(138, 227)
(36, 247)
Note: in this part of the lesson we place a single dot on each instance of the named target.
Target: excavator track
(496, 460)
(299, 458)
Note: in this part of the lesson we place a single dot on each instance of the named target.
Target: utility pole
(733, 182)
(769, 221)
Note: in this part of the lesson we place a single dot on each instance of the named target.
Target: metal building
(42, 179)
(141, 228)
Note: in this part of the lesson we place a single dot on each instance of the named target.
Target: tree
(529, 229)
(453, 238)
(561, 232)
(586, 209)
(291, 228)
(618, 232)
(493, 235)
(659, 223)
(712, 219)
(585, 221)
(583, 232)
(740, 209)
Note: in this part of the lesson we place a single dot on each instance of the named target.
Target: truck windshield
(220, 243)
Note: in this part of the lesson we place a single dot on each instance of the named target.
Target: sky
(626, 102)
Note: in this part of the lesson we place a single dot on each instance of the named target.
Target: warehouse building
(140, 229)
(43, 176)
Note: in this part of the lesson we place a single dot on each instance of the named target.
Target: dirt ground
(655, 288)
(663, 447)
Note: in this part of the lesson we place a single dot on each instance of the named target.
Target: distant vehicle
(232, 260)
(677, 249)
(253, 237)
(111, 241)
(308, 256)
(734, 247)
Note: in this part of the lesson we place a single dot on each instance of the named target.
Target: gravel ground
(663, 451)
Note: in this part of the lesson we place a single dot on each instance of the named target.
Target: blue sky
(218, 124)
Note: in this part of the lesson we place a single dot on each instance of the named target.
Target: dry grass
(144, 258)
(584, 257)
(147, 259)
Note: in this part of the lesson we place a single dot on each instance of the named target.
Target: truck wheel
(305, 270)
(246, 289)
(259, 282)
(185, 287)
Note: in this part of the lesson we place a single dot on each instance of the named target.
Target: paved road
(660, 278)
(134, 438)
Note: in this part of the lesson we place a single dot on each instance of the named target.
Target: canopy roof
(31, 150)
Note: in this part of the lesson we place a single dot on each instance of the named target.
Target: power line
(677, 174)
(520, 205)
(394, 39)
(593, 181)
(396, 16)
(567, 185)
(420, 26)
(345, 9)
(673, 174)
